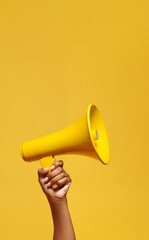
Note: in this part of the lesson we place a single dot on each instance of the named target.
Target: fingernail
(46, 178)
(52, 167)
(55, 186)
(46, 169)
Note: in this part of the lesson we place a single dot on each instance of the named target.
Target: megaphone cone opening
(96, 124)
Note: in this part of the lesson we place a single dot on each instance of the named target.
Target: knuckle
(59, 169)
(49, 175)
(70, 180)
(61, 161)
(63, 170)
(62, 174)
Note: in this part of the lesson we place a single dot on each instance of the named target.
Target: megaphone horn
(87, 136)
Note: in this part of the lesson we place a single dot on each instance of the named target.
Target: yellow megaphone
(87, 136)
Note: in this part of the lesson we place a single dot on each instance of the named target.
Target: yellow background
(57, 57)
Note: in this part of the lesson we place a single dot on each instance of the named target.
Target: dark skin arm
(63, 228)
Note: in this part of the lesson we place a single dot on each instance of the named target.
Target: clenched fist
(55, 184)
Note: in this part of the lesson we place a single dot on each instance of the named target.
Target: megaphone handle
(47, 162)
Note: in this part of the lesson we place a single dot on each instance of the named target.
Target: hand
(57, 177)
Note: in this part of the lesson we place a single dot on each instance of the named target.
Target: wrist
(57, 202)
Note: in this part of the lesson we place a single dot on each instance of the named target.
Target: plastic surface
(87, 136)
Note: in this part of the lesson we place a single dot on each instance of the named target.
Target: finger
(53, 174)
(42, 172)
(62, 182)
(56, 178)
(56, 164)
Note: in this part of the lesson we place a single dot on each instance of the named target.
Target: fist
(54, 182)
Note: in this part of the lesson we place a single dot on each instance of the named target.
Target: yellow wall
(57, 57)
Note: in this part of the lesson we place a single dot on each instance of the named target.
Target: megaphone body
(87, 136)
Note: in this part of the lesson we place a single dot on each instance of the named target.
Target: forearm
(63, 228)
